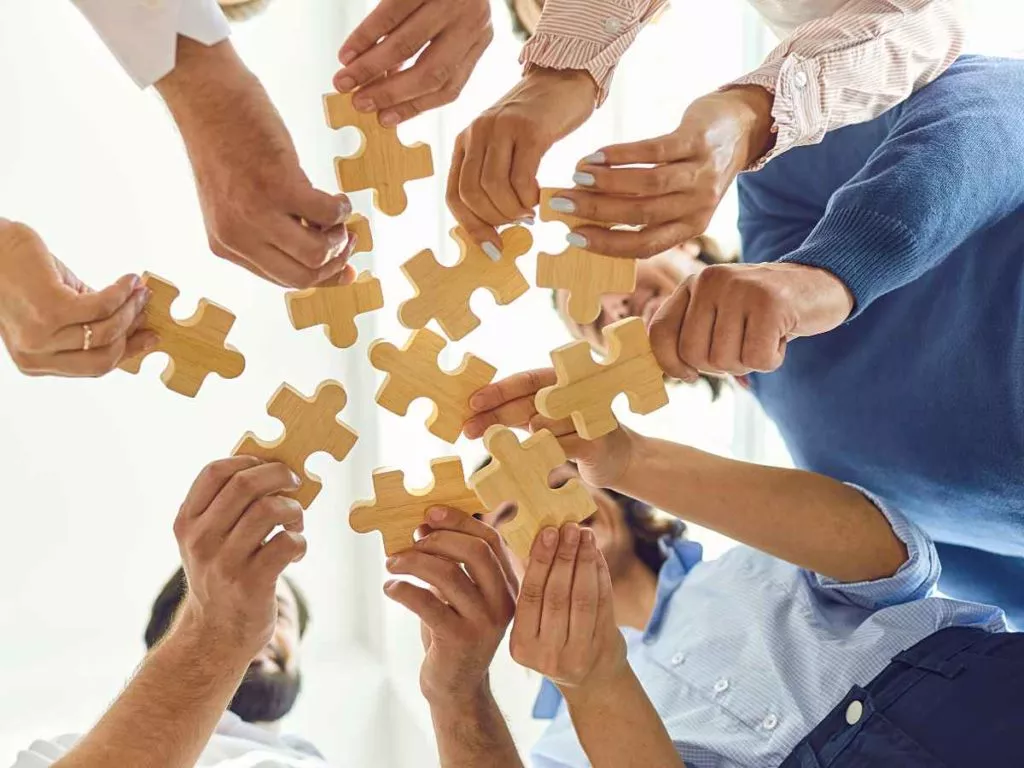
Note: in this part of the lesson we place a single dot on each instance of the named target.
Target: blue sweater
(919, 397)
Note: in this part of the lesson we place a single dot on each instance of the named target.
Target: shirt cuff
(796, 112)
(914, 580)
(143, 34)
(552, 51)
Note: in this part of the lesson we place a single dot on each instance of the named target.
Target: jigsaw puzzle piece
(335, 307)
(195, 347)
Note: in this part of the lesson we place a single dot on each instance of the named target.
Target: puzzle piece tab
(442, 293)
(587, 276)
(413, 372)
(585, 389)
(195, 346)
(359, 226)
(335, 307)
(310, 426)
(397, 512)
(382, 162)
(519, 473)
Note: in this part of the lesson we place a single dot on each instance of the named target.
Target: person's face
(612, 533)
(272, 683)
(656, 279)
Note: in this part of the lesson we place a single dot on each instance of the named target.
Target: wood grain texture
(586, 276)
(382, 162)
(310, 426)
(585, 388)
(397, 512)
(443, 293)
(413, 372)
(519, 473)
(195, 346)
(335, 307)
(359, 225)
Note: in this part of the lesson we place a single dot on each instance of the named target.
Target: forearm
(165, 716)
(804, 518)
(472, 732)
(202, 83)
(619, 727)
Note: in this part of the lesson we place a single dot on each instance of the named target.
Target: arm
(472, 733)
(853, 65)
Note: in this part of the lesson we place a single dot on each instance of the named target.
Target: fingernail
(296, 482)
(363, 103)
(390, 585)
(136, 281)
(492, 251)
(344, 207)
(597, 158)
(437, 514)
(549, 537)
(571, 533)
(390, 562)
(150, 345)
(345, 84)
(583, 178)
(588, 537)
(525, 220)
(576, 239)
(389, 118)
(562, 205)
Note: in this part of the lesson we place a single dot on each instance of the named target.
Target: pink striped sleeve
(588, 34)
(854, 65)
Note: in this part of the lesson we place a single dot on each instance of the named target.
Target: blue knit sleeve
(951, 164)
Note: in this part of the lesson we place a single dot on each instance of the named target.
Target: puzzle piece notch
(519, 473)
(414, 372)
(397, 512)
(195, 347)
(382, 162)
(310, 426)
(587, 276)
(335, 307)
(586, 388)
(443, 293)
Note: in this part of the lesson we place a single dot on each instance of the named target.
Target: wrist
(204, 76)
(221, 645)
(461, 701)
(600, 690)
(570, 79)
(752, 106)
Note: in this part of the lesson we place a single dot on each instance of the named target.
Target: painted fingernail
(597, 158)
(390, 562)
(437, 514)
(562, 205)
(492, 251)
(136, 281)
(345, 84)
(571, 534)
(549, 537)
(363, 103)
(143, 296)
(344, 207)
(389, 118)
(390, 585)
(296, 482)
(576, 239)
(583, 178)
(525, 220)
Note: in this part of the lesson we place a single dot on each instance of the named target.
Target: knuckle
(531, 593)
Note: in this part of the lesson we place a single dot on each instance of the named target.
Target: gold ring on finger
(86, 337)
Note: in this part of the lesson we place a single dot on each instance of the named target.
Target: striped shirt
(840, 62)
(745, 654)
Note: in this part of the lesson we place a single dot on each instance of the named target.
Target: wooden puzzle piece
(587, 276)
(195, 346)
(382, 162)
(359, 225)
(585, 388)
(335, 307)
(397, 512)
(413, 372)
(519, 473)
(442, 293)
(310, 426)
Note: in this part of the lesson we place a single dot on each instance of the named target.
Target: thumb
(99, 305)
(665, 331)
(319, 208)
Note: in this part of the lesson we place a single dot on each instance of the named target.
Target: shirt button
(722, 686)
(612, 26)
(800, 78)
(678, 659)
(854, 712)
(770, 722)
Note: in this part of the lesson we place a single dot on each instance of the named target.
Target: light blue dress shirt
(745, 654)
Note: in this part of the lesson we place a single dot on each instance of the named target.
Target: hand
(565, 625)
(493, 176)
(601, 462)
(738, 318)
(455, 33)
(44, 308)
(260, 209)
(221, 528)
(687, 172)
(469, 605)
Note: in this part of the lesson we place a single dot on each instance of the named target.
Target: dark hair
(518, 28)
(166, 605)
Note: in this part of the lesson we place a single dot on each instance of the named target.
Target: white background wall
(93, 472)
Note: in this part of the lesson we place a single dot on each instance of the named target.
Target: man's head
(273, 681)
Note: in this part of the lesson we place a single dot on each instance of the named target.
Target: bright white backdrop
(93, 472)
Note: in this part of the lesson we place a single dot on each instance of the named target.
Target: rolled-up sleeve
(854, 65)
(143, 34)
(590, 35)
(914, 580)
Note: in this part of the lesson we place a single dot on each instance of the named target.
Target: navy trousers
(954, 700)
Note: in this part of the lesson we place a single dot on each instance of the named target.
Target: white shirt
(143, 34)
(235, 744)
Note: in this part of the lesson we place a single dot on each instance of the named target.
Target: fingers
(585, 593)
(698, 325)
(661, 149)
(647, 182)
(479, 230)
(621, 209)
(516, 413)
(422, 602)
(726, 345)
(285, 548)
(639, 244)
(479, 138)
(310, 248)
(361, 54)
(211, 481)
(447, 577)
(554, 620)
(666, 335)
(763, 349)
(526, 157)
(105, 330)
(495, 181)
(530, 604)
(320, 208)
(99, 305)
(605, 603)
(242, 490)
(523, 384)
(257, 522)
